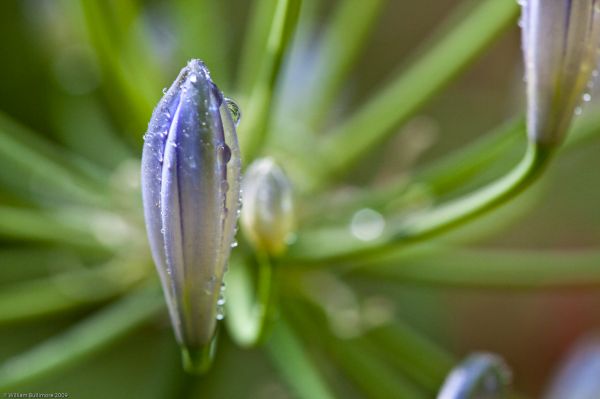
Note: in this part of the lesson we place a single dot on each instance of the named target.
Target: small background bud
(268, 213)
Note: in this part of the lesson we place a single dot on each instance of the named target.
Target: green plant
(75, 262)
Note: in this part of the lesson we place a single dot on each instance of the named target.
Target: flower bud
(578, 375)
(481, 375)
(560, 46)
(268, 213)
(190, 186)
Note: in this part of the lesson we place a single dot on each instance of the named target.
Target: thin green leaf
(83, 340)
(501, 269)
(416, 356)
(45, 226)
(286, 352)
(253, 131)
(405, 94)
(68, 290)
(199, 22)
(357, 358)
(338, 50)
(36, 167)
(131, 83)
(255, 41)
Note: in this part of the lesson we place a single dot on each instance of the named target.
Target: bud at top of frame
(560, 45)
(268, 214)
(190, 187)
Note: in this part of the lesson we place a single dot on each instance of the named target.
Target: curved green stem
(339, 242)
(248, 313)
(253, 130)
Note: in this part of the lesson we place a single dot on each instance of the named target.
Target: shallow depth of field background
(57, 90)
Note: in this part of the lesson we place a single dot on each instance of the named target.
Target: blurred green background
(84, 76)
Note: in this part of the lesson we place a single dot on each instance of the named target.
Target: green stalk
(340, 47)
(411, 89)
(199, 22)
(253, 130)
(492, 269)
(357, 359)
(249, 305)
(295, 366)
(436, 180)
(29, 159)
(37, 225)
(339, 242)
(416, 356)
(83, 340)
(127, 83)
(67, 291)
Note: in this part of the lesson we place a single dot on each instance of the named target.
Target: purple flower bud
(191, 189)
(480, 375)
(560, 45)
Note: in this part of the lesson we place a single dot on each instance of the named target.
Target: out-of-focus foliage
(377, 110)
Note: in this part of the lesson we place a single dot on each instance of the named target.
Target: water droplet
(367, 224)
(587, 97)
(234, 109)
(578, 111)
(220, 313)
(209, 287)
(234, 244)
(224, 153)
(221, 300)
(193, 78)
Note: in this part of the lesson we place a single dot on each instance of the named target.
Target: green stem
(131, 80)
(340, 47)
(36, 225)
(249, 314)
(356, 358)
(289, 357)
(435, 180)
(68, 290)
(253, 130)
(406, 93)
(29, 159)
(339, 242)
(413, 354)
(82, 340)
(472, 268)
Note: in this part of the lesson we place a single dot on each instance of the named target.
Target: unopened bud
(268, 213)
(560, 46)
(191, 186)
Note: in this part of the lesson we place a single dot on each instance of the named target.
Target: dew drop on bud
(225, 153)
(236, 113)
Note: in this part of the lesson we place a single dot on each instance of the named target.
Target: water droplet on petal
(225, 153)
(193, 78)
(234, 109)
